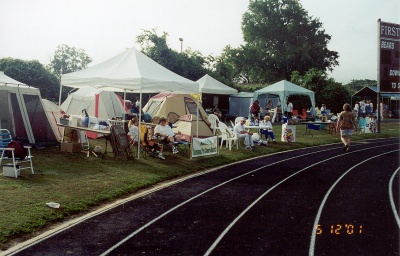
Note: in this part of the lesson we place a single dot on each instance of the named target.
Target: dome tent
(23, 113)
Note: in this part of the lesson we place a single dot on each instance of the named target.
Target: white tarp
(210, 85)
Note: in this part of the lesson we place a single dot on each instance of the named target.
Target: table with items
(72, 139)
(316, 126)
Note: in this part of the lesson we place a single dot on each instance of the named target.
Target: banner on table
(204, 146)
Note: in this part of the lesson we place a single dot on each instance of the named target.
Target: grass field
(81, 184)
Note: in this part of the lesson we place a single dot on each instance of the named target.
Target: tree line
(281, 41)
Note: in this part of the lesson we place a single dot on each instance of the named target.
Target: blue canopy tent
(284, 89)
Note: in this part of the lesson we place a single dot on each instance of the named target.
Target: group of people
(364, 107)
(256, 110)
(162, 135)
(247, 136)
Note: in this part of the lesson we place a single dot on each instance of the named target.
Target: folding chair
(8, 159)
(145, 149)
(120, 142)
(84, 140)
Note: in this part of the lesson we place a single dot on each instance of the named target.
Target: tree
(33, 74)
(327, 90)
(281, 38)
(189, 64)
(68, 59)
(357, 84)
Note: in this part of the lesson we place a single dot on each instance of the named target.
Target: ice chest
(71, 147)
(8, 170)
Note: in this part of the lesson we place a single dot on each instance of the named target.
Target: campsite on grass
(83, 155)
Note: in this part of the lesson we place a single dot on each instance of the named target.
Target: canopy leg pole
(124, 102)
(140, 122)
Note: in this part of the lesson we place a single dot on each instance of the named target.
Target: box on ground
(71, 147)
(8, 170)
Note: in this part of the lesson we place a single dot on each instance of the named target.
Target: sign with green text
(205, 146)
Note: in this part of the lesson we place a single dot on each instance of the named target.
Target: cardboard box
(8, 170)
(70, 135)
(71, 147)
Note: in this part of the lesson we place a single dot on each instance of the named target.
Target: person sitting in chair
(167, 135)
(242, 134)
(152, 143)
(133, 126)
(267, 132)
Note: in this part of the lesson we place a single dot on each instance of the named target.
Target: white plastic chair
(214, 120)
(227, 136)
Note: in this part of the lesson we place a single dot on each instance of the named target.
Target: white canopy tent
(284, 89)
(130, 71)
(211, 89)
(208, 84)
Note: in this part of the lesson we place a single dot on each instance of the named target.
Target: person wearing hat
(243, 134)
(166, 134)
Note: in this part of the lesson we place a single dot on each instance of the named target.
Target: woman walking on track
(346, 125)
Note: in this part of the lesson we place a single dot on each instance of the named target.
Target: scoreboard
(388, 57)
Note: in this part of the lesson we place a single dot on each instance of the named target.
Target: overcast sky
(32, 29)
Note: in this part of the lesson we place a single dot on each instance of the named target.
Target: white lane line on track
(395, 213)
(216, 242)
(204, 192)
(317, 218)
(198, 195)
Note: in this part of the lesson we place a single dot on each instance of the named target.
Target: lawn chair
(85, 146)
(145, 149)
(214, 120)
(228, 136)
(9, 158)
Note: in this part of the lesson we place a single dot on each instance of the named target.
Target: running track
(313, 201)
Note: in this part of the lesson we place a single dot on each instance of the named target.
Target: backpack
(19, 152)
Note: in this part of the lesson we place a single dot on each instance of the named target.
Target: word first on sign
(389, 59)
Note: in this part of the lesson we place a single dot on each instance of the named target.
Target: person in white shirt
(242, 134)
(267, 132)
(134, 129)
(362, 106)
(289, 109)
(166, 134)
